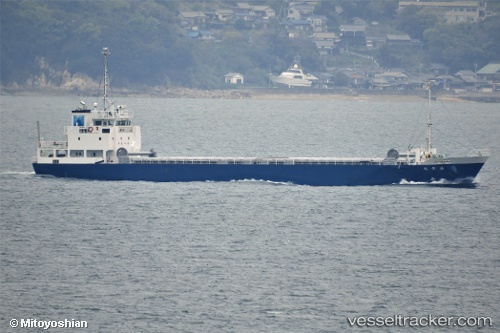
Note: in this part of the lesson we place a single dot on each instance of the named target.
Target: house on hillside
(243, 9)
(243, 6)
(375, 41)
(358, 21)
(265, 12)
(298, 28)
(325, 42)
(398, 39)
(490, 73)
(397, 76)
(246, 20)
(234, 78)
(352, 35)
(325, 80)
(440, 69)
(391, 80)
(325, 36)
(299, 11)
(192, 20)
(356, 80)
(324, 46)
(224, 15)
(451, 11)
(318, 23)
(450, 82)
(469, 79)
(261, 11)
(380, 83)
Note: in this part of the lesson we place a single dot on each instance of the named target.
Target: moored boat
(102, 143)
(294, 76)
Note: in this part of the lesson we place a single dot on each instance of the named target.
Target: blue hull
(315, 175)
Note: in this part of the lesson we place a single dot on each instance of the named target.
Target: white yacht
(294, 76)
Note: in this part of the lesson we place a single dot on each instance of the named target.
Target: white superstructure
(294, 76)
(428, 155)
(103, 134)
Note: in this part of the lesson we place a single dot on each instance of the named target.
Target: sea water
(250, 256)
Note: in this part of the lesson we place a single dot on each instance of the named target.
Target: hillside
(57, 43)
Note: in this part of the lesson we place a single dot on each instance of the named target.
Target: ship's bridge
(118, 112)
(95, 136)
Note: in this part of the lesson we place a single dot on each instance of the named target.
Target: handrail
(256, 161)
(121, 113)
(53, 144)
(479, 152)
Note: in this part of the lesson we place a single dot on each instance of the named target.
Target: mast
(429, 124)
(105, 52)
(38, 130)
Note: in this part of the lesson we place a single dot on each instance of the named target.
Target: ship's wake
(16, 174)
(262, 181)
(469, 182)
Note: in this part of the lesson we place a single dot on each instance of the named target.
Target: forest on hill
(47, 42)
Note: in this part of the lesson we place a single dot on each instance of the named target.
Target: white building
(234, 78)
(452, 11)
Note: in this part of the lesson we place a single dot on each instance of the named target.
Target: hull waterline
(315, 175)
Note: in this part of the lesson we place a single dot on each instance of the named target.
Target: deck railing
(479, 152)
(53, 144)
(112, 113)
(257, 161)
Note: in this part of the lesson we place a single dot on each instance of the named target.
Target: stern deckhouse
(103, 134)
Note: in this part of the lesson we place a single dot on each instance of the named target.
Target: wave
(262, 181)
(468, 182)
(17, 173)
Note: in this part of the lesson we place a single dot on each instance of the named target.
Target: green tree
(415, 20)
(368, 10)
(462, 45)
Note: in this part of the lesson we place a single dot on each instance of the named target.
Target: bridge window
(61, 153)
(94, 153)
(123, 123)
(46, 153)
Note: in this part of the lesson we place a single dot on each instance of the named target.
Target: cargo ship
(102, 143)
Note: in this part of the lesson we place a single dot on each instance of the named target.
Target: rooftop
(490, 69)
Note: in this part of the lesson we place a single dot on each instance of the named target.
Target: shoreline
(269, 94)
